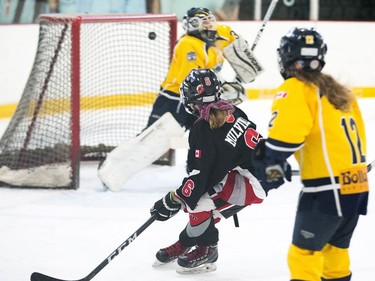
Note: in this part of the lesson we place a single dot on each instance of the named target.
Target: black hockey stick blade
(36, 276)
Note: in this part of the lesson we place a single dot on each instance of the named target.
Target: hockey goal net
(92, 85)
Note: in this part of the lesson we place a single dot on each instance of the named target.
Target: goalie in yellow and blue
(318, 120)
(200, 47)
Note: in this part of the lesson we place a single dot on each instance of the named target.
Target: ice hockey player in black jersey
(220, 180)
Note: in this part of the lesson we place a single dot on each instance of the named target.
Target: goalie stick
(267, 17)
(369, 168)
(36, 276)
(241, 57)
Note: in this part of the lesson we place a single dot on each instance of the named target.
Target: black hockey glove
(269, 171)
(165, 208)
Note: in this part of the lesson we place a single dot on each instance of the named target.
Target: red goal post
(92, 85)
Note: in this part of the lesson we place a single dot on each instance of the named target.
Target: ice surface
(67, 233)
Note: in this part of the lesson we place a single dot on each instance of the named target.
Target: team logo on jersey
(230, 119)
(198, 153)
(191, 56)
(280, 95)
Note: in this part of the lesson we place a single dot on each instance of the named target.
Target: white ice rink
(67, 233)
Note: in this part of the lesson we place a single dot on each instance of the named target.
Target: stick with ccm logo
(36, 276)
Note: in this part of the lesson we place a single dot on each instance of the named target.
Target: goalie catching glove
(166, 207)
(270, 171)
(242, 60)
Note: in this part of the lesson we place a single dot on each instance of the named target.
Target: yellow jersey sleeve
(225, 36)
(292, 115)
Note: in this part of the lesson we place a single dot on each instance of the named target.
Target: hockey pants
(237, 190)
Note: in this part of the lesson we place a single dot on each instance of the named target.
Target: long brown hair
(337, 94)
(217, 117)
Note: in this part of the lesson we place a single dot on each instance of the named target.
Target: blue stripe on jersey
(319, 182)
(281, 150)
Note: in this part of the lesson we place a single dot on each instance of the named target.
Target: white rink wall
(350, 56)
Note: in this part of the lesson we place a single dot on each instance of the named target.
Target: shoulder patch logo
(230, 119)
(191, 56)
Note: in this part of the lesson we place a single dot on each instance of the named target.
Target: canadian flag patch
(280, 95)
(198, 153)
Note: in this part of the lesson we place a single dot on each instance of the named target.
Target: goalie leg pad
(133, 155)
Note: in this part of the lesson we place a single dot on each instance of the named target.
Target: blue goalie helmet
(201, 86)
(301, 49)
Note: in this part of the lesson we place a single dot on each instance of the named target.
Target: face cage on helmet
(204, 25)
(191, 109)
(186, 102)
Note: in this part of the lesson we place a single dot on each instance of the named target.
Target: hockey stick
(254, 63)
(369, 168)
(36, 276)
(267, 17)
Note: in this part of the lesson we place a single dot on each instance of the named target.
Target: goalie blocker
(242, 60)
(133, 155)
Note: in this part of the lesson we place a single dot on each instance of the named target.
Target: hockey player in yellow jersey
(200, 47)
(319, 121)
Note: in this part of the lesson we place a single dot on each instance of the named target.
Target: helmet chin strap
(209, 34)
(209, 38)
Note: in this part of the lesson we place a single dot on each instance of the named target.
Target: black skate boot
(170, 253)
(201, 259)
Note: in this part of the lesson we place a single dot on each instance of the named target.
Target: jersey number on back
(356, 148)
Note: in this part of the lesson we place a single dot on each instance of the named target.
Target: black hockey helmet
(200, 22)
(303, 49)
(200, 86)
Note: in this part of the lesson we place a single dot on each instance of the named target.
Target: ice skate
(202, 259)
(169, 254)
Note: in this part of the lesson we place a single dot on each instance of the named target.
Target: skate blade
(208, 267)
(160, 264)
